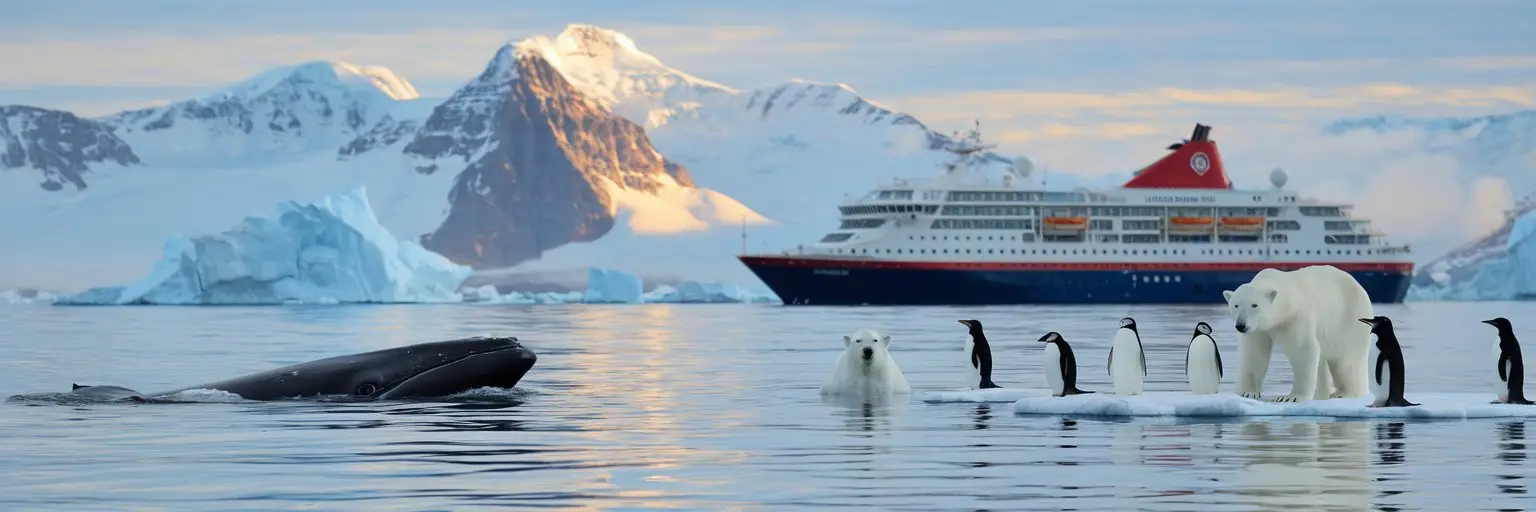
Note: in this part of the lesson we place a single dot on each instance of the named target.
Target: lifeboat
(1190, 224)
(1065, 223)
(1242, 223)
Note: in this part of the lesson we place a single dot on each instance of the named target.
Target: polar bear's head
(1253, 308)
(867, 344)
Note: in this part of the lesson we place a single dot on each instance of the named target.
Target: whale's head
(414, 371)
(448, 367)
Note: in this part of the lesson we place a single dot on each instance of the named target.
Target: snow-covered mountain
(285, 111)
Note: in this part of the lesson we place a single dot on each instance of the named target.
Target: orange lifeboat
(1190, 224)
(1065, 223)
(1242, 223)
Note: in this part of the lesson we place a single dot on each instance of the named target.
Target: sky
(1089, 86)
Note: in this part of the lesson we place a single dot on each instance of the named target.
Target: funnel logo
(1200, 163)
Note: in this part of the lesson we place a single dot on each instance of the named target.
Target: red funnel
(1193, 164)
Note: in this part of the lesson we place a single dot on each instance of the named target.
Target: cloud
(1352, 97)
(211, 61)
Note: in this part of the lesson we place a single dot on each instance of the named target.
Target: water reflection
(1068, 431)
(983, 416)
(1389, 443)
(1283, 466)
(864, 412)
(1512, 454)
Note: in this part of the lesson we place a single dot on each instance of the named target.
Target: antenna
(743, 235)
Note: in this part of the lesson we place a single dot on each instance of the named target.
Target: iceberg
(608, 286)
(326, 252)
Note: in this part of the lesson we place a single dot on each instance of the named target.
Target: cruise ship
(1175, 232)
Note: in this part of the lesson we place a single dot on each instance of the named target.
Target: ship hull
(831, 282)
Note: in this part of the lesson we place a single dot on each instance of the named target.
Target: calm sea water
(712, 407)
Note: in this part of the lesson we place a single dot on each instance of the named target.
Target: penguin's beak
(1489, 322)
(1368, 321)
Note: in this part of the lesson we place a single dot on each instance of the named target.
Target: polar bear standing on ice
(866, 368)
(1313, 314)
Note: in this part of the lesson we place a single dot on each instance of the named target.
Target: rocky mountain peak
(538, 158)
(59, 144)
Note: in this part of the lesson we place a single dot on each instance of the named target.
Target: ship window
(836, 237)
(861, 223)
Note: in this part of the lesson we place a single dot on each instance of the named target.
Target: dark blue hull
(843, 282)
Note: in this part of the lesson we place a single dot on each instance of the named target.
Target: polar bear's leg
(1253, 351)
(1304, 354)
(1324, 386)
(1346, 378)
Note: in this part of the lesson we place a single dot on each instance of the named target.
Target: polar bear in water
(1313, 314)
(866, 368)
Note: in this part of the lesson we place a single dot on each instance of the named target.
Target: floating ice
(707, 292)
(1183, 403)
(329, 251)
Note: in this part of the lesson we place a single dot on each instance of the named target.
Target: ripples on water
(712, 407)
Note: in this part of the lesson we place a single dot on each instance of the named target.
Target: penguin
(979, 352)
(1202, 362)
(1060, 366)
(1128, 375)
(1511, 366)
(1387, 369)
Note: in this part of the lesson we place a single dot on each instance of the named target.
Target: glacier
(328, 251)
(1502, 273)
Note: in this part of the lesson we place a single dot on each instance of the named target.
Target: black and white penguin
(1060, 366)
(1387, 369)
(1511, 366)
(1202, 362)
(1132, 370)
(979, 353)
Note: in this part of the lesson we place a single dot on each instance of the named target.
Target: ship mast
(965, 150)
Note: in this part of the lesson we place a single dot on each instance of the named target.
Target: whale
(424, 370)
